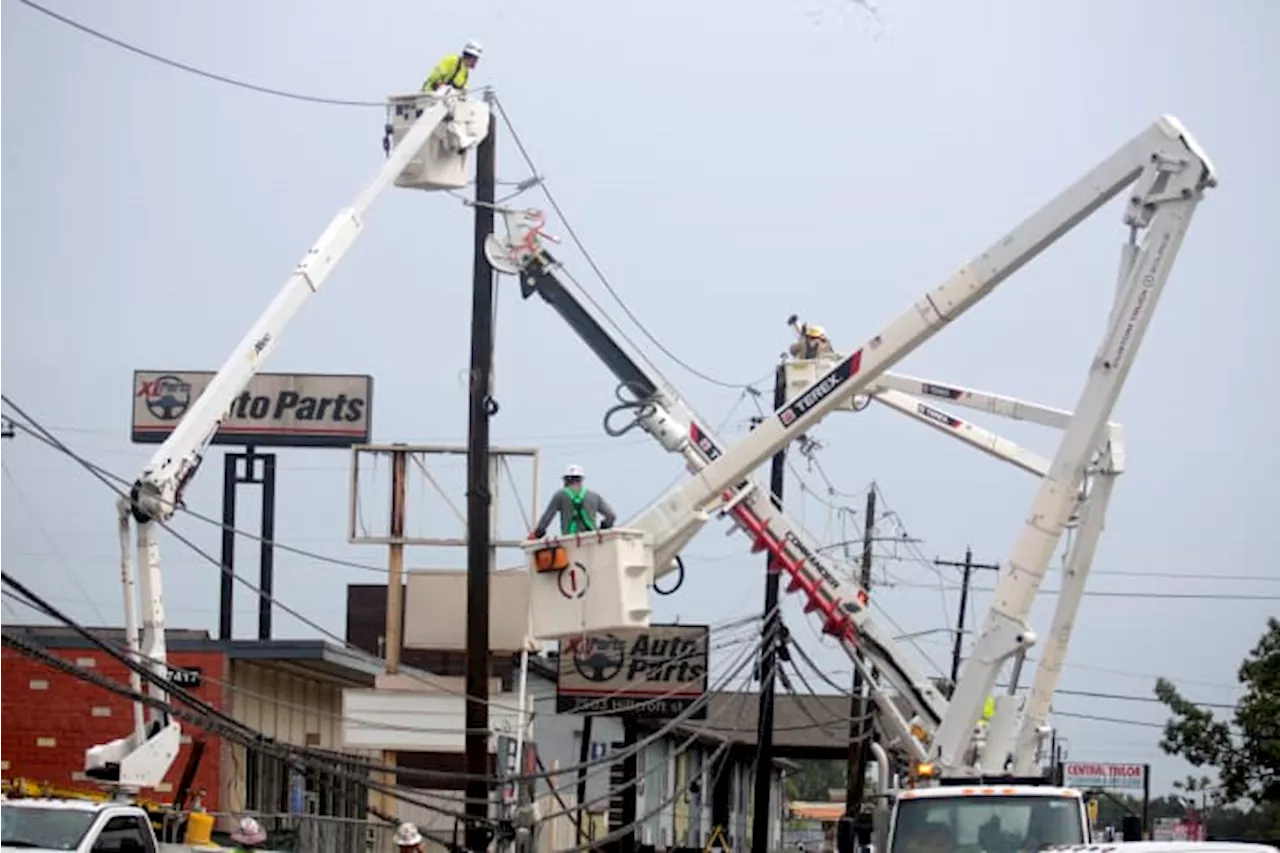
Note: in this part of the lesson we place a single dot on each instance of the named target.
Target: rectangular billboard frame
(159, 416)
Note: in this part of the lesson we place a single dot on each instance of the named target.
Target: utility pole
(860, 726)
(482, 407)
(395, 593)
(771, 634)
(968, 565)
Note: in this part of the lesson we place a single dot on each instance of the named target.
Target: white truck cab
(84, 826)
(992, 818)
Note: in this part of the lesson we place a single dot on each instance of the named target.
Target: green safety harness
(578, 514)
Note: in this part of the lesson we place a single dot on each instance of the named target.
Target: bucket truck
(905, 394)
(603, 580)
(426, 143)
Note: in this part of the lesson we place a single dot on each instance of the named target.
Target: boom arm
(663, 414)
(1031, 714)
(1172, 174)
(142, 759)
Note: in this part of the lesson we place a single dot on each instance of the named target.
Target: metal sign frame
(415, 453)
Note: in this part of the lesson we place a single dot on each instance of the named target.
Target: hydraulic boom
(1168, 173)
(998, 749)
(432, 137)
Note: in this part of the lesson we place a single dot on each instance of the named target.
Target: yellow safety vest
(450, 71)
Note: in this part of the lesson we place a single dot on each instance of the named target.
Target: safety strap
(457, 69)
(578, 513)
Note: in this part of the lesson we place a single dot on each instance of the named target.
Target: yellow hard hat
(815, 331)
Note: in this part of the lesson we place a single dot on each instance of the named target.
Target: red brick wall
(65, 712)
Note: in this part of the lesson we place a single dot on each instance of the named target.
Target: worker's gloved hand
(605, 525)
(537, 533)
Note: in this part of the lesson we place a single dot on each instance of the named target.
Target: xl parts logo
(279, 409)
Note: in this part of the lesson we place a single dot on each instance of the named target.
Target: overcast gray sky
(727, 164)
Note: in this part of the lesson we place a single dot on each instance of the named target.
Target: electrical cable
(590, 259)
(737, 668)
(1187, 596)
(240, 690)
(148, 674)
(199, 72)
(215, 719)
(101, 475)
(679, 579)
(631, 828)
(167, 525)
(235, 733)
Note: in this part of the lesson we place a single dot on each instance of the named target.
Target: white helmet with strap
(473, 48)
(407, 835)
(573, 471)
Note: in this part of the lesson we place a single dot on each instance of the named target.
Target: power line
(1116, 720)
(1191, 596)
(191, 69)
(595, 267)
(343, 102)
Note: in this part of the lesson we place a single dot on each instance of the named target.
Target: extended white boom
(1169, 174)
(433, 137)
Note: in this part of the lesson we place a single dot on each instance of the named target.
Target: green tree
(1245, 750)
(815, 778)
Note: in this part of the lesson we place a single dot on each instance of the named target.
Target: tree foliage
(1223, 821)
(1246, 749)
(815, 779)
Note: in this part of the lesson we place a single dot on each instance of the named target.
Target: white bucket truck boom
(1002, 751)
(427, 141)
(604, 580)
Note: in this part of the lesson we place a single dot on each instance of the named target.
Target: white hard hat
(573, 471)
(248, 832)
(407, 835)
(473, 48)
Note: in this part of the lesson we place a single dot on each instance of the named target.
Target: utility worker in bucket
(577, 508)
(813, 343)
(454, 69)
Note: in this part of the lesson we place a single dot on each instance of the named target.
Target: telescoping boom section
(603, 580)
(1017, 732)
(427, 140)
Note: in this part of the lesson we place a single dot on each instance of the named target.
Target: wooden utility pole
(771, 632)
(968, 565)
(393, 632)
(479, 501)
(860, 725)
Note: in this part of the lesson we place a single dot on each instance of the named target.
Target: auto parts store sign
(1111, 777)
(655, 672)
(277, 409)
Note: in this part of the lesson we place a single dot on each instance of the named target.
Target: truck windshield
(47, 829)
(986, 824)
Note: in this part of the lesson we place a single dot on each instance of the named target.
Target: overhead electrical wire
(696, 729)
(608, 286)
(149, 674)
(595, 267)
(296, 96)
(191, 69)
(201, 713)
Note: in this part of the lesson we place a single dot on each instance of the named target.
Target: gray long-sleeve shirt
(593, 505)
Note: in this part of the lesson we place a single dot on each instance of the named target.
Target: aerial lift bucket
(441, 163)
(599, 580)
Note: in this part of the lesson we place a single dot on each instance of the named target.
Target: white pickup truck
(84, 826)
